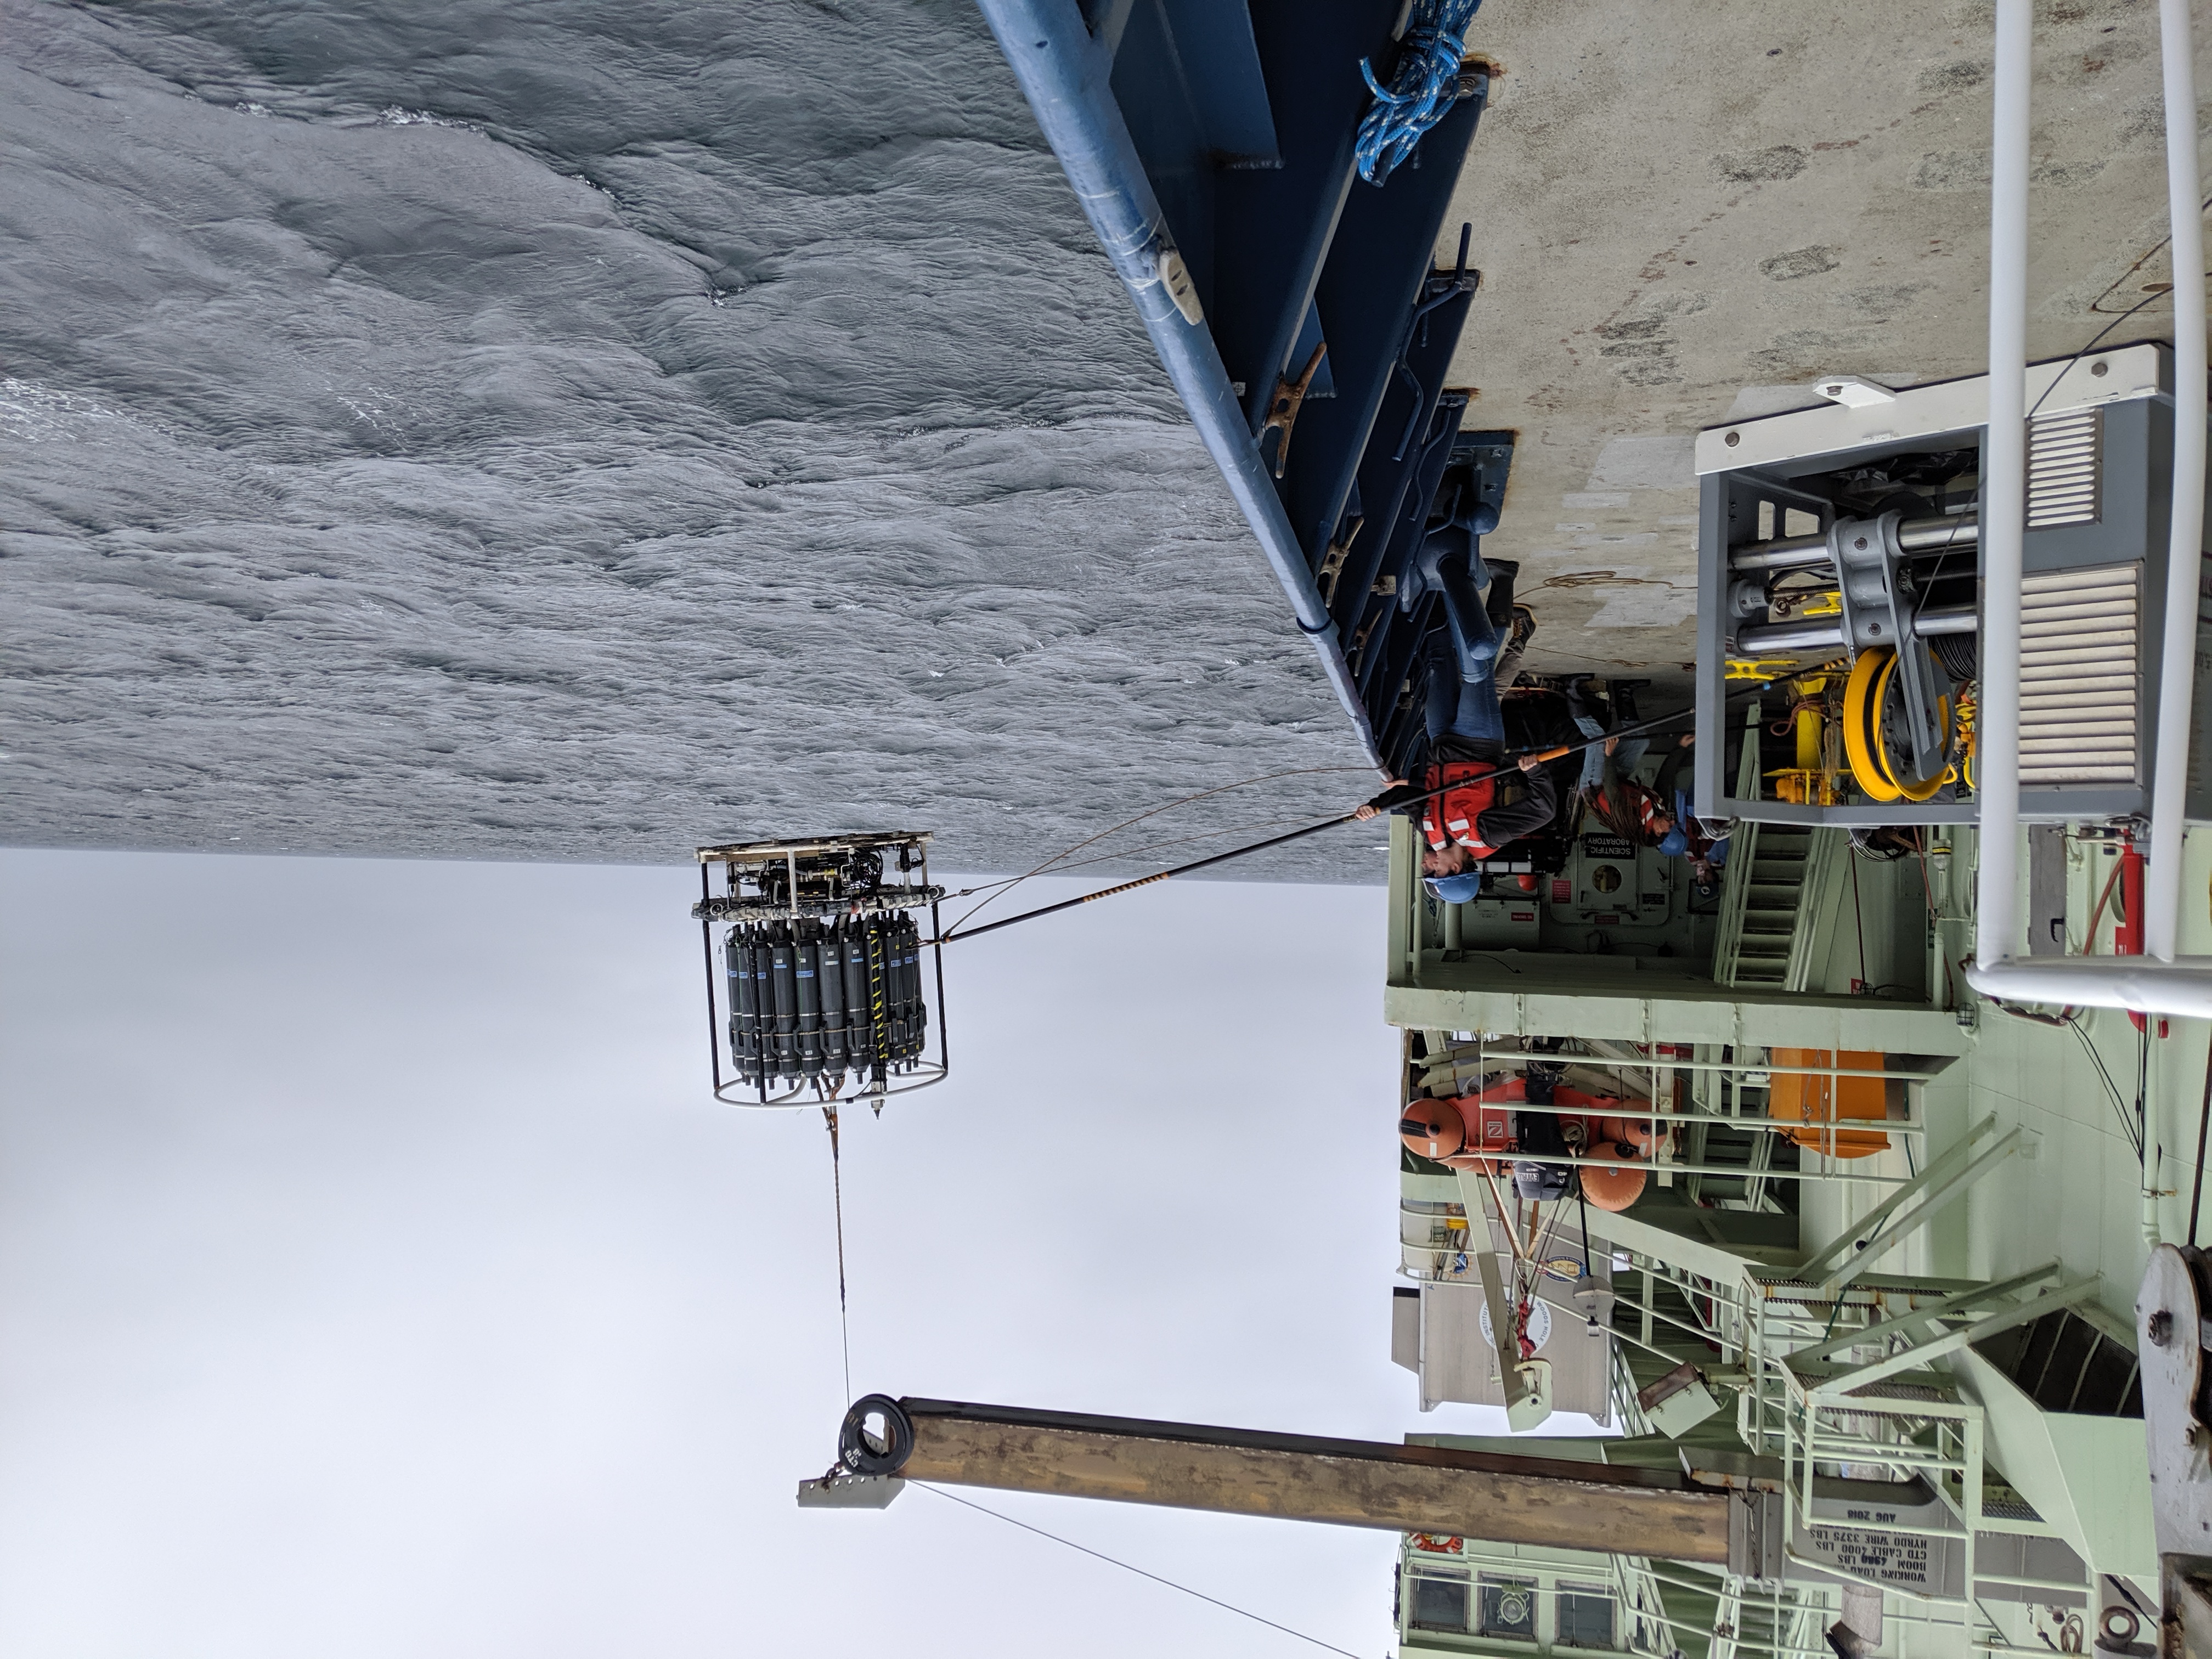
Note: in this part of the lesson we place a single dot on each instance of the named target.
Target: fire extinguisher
(2128, 931)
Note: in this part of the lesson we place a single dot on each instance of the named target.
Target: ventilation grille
(2077, 675)
(2065, 468)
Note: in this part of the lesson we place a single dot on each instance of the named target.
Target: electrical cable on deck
(2142, 1102)
(2204, 1127)
(1422, 90)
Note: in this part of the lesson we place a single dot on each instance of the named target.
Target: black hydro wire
(1101, 1555)
(2098, 339)
(837, 1193)
(1551, 753)
(1059, 861)
(2142, 1098)
(999, 889)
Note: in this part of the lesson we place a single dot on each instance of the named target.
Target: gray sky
(376, 1276)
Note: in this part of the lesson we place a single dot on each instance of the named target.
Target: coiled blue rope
(1424, 88)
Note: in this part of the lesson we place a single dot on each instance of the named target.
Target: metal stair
(1778, 890)
(2065, 1363)
(1781, 858)
(1748, 1146)
(1783, 883)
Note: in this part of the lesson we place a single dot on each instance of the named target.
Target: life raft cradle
(1614, 1167)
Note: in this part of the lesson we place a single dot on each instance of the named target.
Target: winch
(1845, 539)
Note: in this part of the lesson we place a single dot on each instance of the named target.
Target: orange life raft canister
(1476, 1131)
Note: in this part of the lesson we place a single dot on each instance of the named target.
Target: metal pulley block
(2173, 1328)
(1876, 593)
(1881, 605)
(1880, 740)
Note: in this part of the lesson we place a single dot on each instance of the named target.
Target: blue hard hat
(1455, 890)
(1674, 843)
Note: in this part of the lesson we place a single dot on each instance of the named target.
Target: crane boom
(1540, 1501)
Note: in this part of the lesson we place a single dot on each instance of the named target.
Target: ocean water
(579, 431)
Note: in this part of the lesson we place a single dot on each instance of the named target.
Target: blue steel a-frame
(1295, 305)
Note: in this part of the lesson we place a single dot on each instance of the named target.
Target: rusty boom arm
(1352, 1483)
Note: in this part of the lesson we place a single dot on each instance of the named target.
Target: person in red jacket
(1486, 805)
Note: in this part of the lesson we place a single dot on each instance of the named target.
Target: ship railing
(1066, 75)
(1644, 1624)
(1804, 1610)
(1458, 1062)
(2157, 981)
(1727, 1317)
(1788, 1611)
(1736, 875)
(1819, 1404)
(1793, 1632)
(1727, 1620)
(1648, 1630)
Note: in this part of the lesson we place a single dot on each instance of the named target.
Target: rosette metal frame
(827, 974)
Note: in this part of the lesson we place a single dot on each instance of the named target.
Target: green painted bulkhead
(1996, 1242)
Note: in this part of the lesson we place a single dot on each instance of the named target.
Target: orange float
(1615, 1185)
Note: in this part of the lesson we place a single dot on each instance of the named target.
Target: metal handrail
(1736, 879)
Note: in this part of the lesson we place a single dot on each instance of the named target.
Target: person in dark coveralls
(1481, 812)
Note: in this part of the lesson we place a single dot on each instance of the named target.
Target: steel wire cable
(1227, 1607)
(837, 1194)
(1129, 853)
(1059, 861)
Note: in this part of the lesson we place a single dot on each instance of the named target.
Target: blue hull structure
(1295, 305)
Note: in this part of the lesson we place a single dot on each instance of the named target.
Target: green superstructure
(1950, 1317)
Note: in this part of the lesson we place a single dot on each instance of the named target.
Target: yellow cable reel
(1881, 773)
